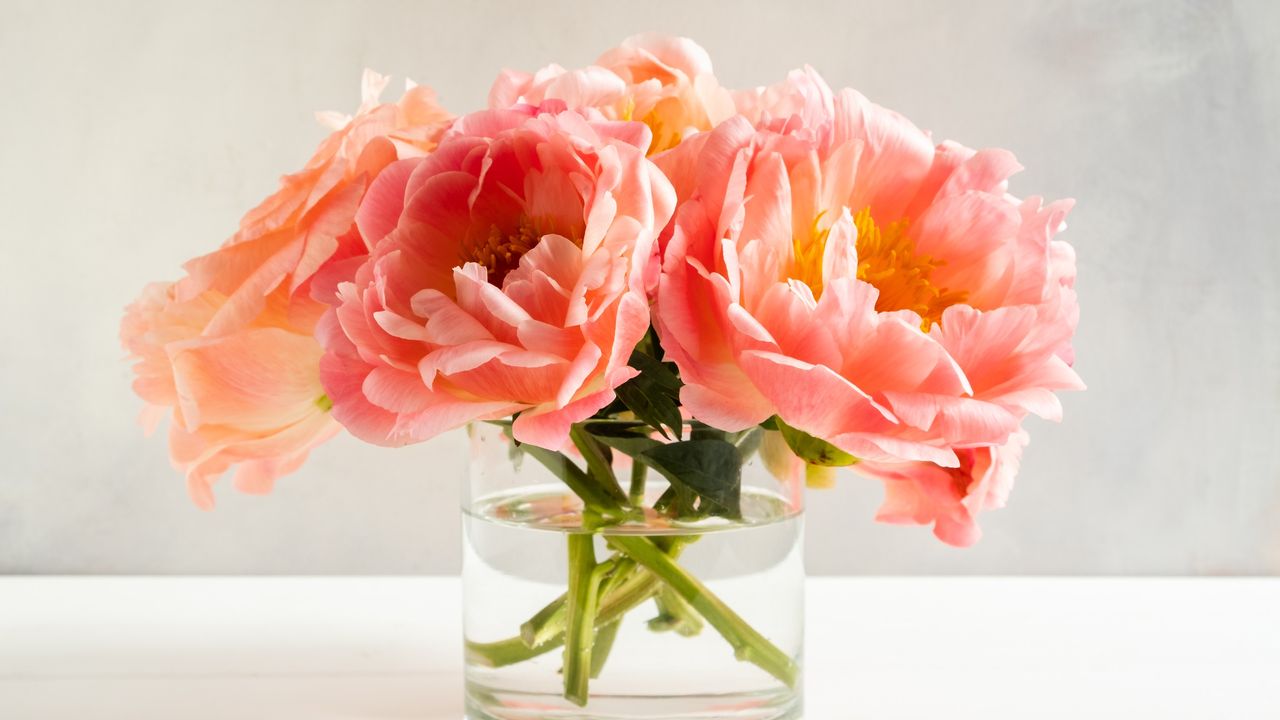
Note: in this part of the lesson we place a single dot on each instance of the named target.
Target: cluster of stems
(584, 620)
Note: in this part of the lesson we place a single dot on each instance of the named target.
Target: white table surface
(195, 648)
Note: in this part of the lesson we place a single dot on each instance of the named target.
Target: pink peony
(665, 82)
(949, 497)
(834, 268)
(506, 276)
(230, 347)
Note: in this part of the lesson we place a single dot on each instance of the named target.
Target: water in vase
(654, 656)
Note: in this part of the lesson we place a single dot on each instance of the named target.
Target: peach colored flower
(949, 497)
(250, 398)
(665, 82)
(505, 276)
(230, 348)
(834, 268)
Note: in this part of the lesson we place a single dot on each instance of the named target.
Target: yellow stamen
(662, 139)
(888, 260)
(500, 252)
(808, 256)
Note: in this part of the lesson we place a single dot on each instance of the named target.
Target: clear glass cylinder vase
(690, 618)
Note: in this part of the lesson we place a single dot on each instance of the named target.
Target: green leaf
(652, 404)
(627, 438)
(629, 444)
(677, 501)
(614, 426)
(711, 469)
(661, 373)
(654, 394)
(813, 450)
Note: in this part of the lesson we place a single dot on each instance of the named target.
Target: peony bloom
(230, 348)
(665, 82)
(835, 268)
(506, 276)
(949, 497)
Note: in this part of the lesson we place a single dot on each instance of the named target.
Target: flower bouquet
(662, 307)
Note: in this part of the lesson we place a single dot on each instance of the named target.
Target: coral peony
(835, 268)
(665, 82)
(230, 347)
(506, 276)
(949, 497)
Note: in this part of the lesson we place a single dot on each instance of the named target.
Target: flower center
(887, 259)
(500, 251)
(664, 138)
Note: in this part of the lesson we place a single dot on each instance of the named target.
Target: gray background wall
(133, 135)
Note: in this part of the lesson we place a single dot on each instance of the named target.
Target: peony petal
(257, 379)
(445, 416)
(381, 208)
(262, 463)
(578, 373)
(396, 390)
(460, 358)
(731, 412)
(400, 327)
(894, 160)
(324, 223)
(548, 427)
(343, 378)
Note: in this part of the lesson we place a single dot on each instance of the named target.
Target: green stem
(546, 624)
(624, 569)
(629, 594)
(674, 613)
(599, 466)
(594, 496)
(748, 645)
(580, 616)
(586, 618)
(638, 472)
(549, 621)
(605, 637)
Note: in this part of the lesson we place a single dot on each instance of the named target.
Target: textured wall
(134, 135)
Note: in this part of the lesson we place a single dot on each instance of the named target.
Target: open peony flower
(230, 348)
(506, 276)
(665, 82)
(835, 268)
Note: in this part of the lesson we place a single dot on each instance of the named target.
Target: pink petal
(894, 160)
(460, 358)
(343, 377)
(548, 427)
(396, 390)
(382, 205)
(447, 415)
(578, 373)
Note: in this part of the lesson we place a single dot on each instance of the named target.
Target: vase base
(492, 704)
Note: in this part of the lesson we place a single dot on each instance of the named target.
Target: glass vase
(651, 616)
